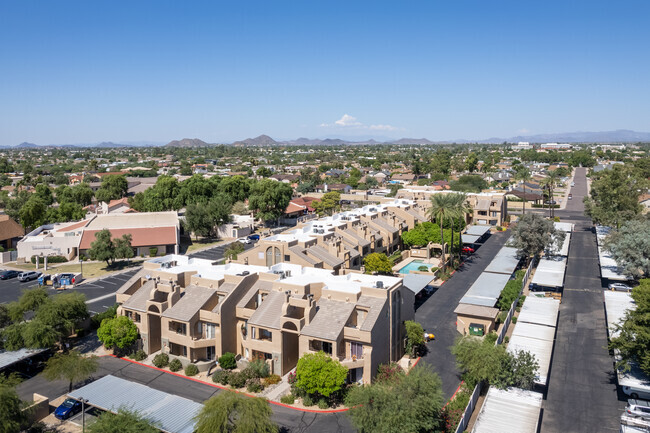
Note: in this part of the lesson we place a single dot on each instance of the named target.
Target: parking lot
(100, 294)
(216, 253)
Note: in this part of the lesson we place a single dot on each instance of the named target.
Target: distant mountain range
(618, 136)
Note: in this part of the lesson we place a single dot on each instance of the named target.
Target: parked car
(67, 409)
(6, 275)
(28, 276)
(638, 409)
(573, 184)
(244, 240)
(467, 250)
(620, 287)
(570, 196)
(254, 237)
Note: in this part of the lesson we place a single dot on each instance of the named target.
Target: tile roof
(138, 301)
(259, 285)
(297, 250)
(9, 228)
(269, 314)
(330, 318)
(75, 226)
(141, 237)
(322, 254)
(374, 306)
(190, 303)
(358, 239)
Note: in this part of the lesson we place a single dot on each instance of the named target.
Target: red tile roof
(75, 226)
(140, 237)
(9, 228)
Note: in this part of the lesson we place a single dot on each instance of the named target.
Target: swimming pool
(413, 266)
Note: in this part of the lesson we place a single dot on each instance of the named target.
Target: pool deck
(409, 260)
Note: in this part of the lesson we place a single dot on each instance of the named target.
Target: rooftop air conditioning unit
(380, 284)
(287, 273)
(245, 273)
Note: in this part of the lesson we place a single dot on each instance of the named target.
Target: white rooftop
(509, 411)
(550, 272)
(539, 311)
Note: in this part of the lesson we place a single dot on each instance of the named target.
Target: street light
(83, 414)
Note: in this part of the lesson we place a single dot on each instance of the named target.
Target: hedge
(50, 259)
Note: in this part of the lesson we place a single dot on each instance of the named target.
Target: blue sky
(90, 71)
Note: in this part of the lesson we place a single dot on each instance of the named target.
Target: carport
(173, 414)
(549, 274)
(475, 234)
(505, 262)
(511, 410)
(417, 282)
(486, 289)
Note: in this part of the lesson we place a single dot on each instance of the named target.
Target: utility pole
(83, 414)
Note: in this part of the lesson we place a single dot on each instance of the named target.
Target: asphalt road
(292, 420)
(582, 395)
(437, 313)
(216, 253)
(100, 294)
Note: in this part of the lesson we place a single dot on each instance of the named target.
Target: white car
(244, 240)
(28, 276)
(638, 409)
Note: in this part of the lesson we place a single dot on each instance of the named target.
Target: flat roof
(12, 357)
(609, 269)
(172, 413)
(561, 248)
(486, 289)
(550, 272)
(416, 282)
(538, 340)
(470, 239)
(565, 227)
(509, 411)
(539, 311)
(505, 262)
(477, 230)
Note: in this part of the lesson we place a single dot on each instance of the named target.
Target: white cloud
(382, 128)
(351, 122)
(523, 131)
(348, 120)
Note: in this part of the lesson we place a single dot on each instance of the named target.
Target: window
(493, 214)
(356, 350)
(287, 258)
(179, 328)
(137, 318)
(265, 335)
(210, 330)
(482, 213)
(209, 353)
(327, 347)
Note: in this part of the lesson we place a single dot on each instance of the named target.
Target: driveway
(292, 420)
(582, 393)
(436, 314)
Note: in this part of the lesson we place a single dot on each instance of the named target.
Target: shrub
(499, 228)
(291, 378)
(227, 361)
(140, 355)
(491, 338)
(153, 251)
(259, 368)
(434, 268)
(175, 364)
(514, 320)
(502, 317)
(237, 380)
(506, 339)
(307, 400)
(221, 376)
(323, 404)
(248, 373)
(556, 219)
(272, 379)
(161, 360)
(191, 370)
(288, 399)
(110, 313)
(254, 385)
(50, 259)
(423, 268)
(389, 373)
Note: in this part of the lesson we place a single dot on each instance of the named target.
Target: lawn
(201, 243)
(90, 269)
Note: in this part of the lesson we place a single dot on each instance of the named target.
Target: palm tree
(545, 184)
(440, 210)
(553, 178)
(523, 174)
(462, 209)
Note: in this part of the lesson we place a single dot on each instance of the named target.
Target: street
(582, 393)
(437, 313)
(290, 419)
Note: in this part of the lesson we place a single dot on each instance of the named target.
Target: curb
(214, 385)
(454, 394)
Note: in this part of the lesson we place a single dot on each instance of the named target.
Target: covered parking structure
(475, 234)
(486, 289)
(171, 413)
(512, 410)
(609, 269)
(549, 274)
(505, 262)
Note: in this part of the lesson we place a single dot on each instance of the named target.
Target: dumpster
(476, 329)
(45, 280)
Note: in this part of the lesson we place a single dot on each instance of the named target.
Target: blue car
(254, 237)
(67, 409)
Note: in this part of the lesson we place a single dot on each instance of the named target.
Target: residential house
(340, 187)
(10, 232)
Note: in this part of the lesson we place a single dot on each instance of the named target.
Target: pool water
(413, 266)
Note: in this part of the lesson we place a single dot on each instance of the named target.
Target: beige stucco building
(339, 242)
(198, 311)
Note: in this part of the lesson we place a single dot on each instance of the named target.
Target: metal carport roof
(505, 262)
(8, 358)
(470, 239)
(486, 289)
(173, 414)
(416, 282)
(477, 230)
(539, 311)
(509, 411)
(550, 272)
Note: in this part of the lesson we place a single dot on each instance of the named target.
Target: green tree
(124, 421)
(63, 312)
(233, 250)
(239, 208)
(440, 210)
(411, 403)
(198, 220)
(32, 213)
(264, 172)
(414, 338)
(614, 195)
(39, 335)
(70, 211)
(633, 339)
(270, 199)
(102, 248)
(481, 360)
(468, 183)
(71, 366)
(630, 247)
(118, 332)
(523, 174)
(44, 192)
(377, 262)
(328, 203)
(319, 373)
(114, 186)
(11, 415)
(230, 412)
(123, 248)
(471, 162)
(534, 233)
(414, 238)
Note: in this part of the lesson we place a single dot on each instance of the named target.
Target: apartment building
(197, 311)
(338, 242)
(489, 208)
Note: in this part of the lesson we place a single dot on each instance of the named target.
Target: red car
(467, 250)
